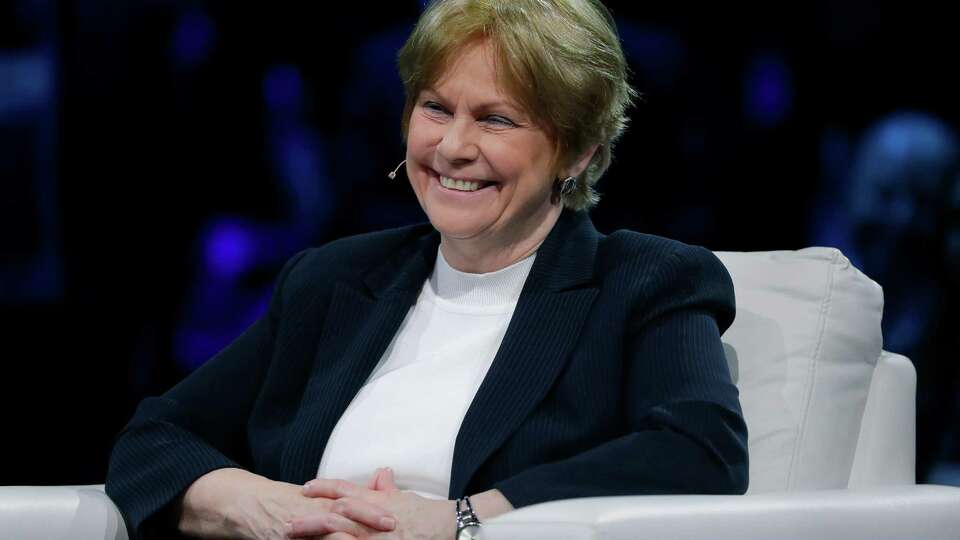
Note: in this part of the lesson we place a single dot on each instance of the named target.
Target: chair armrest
(886, 447)
(53, 512)
(884, 513)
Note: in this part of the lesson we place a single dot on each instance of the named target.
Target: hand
(417, 517)
(235, 503)
(341, 519)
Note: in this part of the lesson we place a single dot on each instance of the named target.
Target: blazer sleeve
(685, 430)
(196, 427)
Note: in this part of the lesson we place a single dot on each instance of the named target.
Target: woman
(424, 379)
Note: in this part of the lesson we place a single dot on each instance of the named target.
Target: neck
(484, 254)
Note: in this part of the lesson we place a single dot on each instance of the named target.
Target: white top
(408, 413)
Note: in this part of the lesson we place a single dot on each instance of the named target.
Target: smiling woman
(507, 99)
(414, 382)
(482, 170)
(557, 64)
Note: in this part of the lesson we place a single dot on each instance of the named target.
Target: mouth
(465, 185)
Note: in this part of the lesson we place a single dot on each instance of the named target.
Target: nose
(458, 145)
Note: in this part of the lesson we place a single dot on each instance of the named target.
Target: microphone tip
(393, 174)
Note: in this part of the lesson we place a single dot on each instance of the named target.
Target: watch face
(470, 532)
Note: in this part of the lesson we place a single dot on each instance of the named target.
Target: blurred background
(160, 160)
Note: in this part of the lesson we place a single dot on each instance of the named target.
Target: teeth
(459, 185)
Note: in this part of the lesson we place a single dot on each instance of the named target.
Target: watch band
(466, 517)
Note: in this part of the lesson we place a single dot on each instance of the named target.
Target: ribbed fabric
(610, 379)
(491, 292)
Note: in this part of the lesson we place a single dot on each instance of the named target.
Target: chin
(457, 227)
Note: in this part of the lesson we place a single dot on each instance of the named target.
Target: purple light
(229, 249)
(259, 307)
(768, 89)
(194, 347)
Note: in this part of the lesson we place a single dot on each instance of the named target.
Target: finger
(332, 489)
(320, 524)
(384, 536)
(372, 484)
(366, 513)
(339, 536)
(386, 481)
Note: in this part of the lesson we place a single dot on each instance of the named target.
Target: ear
(581, 163)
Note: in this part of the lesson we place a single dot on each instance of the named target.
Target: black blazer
(610, 380)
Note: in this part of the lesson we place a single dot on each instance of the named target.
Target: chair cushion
(802, 350)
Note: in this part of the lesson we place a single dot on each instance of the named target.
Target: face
(479, 166)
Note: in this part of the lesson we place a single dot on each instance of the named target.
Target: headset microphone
(393, 174)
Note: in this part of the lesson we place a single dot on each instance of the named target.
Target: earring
(567, 185)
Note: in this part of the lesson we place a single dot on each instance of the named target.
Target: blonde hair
(561, 59)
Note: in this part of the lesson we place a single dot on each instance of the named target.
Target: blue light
(192, 39)
(658, 54)
(229, 249)
(26, 83)
(283, 87)
(835, 153)
(768, 90)
(213, 325)
(194, 347)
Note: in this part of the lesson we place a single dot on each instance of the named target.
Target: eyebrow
(486, 105)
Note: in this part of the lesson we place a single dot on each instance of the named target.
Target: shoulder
(663, 274)
(663, 257)
(348, 258)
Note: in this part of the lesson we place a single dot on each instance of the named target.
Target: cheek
(528, 162)
(419, 152)
(421, 135)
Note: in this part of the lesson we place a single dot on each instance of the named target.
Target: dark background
(159, 160)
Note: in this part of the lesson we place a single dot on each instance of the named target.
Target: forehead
(473, 71)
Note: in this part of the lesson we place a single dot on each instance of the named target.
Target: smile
(457, 184)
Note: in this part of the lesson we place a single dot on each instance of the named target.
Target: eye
(500, 120)
(434, 107)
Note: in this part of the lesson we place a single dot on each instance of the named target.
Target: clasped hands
(378, 511)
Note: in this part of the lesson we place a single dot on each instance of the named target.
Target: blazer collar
(543, 331)
(564, 260)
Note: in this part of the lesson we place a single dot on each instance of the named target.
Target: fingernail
(288, 528)
(388, 523)
(306, 487)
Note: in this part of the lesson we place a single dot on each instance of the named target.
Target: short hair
(561, 60)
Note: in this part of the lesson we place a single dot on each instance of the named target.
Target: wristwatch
(468, 524)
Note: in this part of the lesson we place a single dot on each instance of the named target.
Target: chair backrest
(802, 349)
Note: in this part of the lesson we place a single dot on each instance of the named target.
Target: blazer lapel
(542, 332)
(358, 328)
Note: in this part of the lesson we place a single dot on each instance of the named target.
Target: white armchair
(831, 419)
